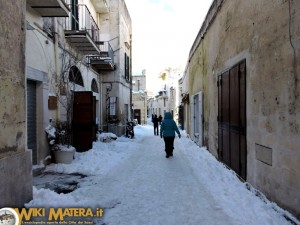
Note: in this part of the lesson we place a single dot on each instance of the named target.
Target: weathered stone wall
(120, 30)
(15, 161)
(266, 34)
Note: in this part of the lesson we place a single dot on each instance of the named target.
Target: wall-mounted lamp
(108, 87)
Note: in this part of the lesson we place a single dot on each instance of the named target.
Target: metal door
(31, 119)
(232, 118)
(84, 120)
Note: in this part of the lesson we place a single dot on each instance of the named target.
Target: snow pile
(65, 148)
(46, 198)
(50, 130)
(99, 160)
(234, 196)
(106, 137)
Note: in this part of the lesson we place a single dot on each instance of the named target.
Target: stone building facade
(46, 46)
(139, 97)
(89, 38)
(117, 98)
(243, 76)
(59, 40)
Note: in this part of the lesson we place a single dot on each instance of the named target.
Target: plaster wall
(15, 159)
(89, 4)
(266, 34)
(40, 65)
(39, 47)
(12, 89)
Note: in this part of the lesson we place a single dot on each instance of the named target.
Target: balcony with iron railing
(82, 31)
(50, 8)
(105, 60)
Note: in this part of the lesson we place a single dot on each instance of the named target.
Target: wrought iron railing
(106, 50)
(81, 19)
(106, 53)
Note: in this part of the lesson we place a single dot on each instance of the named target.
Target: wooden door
(232, 118)
(84, 120)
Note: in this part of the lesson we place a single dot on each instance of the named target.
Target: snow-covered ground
(136, 185)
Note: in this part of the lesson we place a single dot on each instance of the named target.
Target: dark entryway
(232, 118)
(181, 116)
(84, 120)
(137, 115)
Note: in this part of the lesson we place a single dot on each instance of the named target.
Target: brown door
(232, 118)
(84, 120)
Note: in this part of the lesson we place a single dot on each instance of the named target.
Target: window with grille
(127, 67)
(75, 76)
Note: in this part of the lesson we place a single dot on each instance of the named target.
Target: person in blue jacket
(167, 131)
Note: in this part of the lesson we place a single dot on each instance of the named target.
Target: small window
(75, 76)
(127, 67)
(94, 86)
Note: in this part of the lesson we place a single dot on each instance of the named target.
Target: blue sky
(163, 33)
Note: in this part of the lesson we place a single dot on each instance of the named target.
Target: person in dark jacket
(155, 124)
(167, 131)
(159, 119)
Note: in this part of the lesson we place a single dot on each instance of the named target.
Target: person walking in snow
(155, 124)
(167, 131)
(159, 119)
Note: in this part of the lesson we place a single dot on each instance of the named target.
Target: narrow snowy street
(154, 190)
(135, 184)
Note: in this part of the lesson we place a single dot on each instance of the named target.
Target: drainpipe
(101, 118)
(56, 65)
(130, 70)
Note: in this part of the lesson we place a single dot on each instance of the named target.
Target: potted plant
(59, 136)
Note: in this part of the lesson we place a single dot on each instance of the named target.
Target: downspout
(130, 71)
(100, 101)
